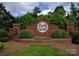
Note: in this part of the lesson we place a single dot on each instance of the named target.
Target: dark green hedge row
(76, 39)
(25, 34)
(59, 34)
(4, 36)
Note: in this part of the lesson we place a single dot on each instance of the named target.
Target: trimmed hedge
(3, 35)
(76, 39)
(77, 33)
(59, 34)
(25, 34)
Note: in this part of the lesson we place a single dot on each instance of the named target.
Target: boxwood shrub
(25, 34)
(3, 35)
(59, 34)
(76, 38)
(76, 33)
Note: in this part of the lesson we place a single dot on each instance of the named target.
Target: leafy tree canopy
(73, 11)
(36, 10)
(60, 10)
(6, 19)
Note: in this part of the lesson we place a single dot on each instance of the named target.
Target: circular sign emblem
(42, 27)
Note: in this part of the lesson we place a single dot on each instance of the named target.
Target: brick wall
(53, 42)
(33, 29)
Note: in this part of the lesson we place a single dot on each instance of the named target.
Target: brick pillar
(11, 34)
(16, 29)
(70, 29)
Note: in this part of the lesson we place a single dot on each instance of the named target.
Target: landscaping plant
(25, 34)
(3, 35)
(59, 34)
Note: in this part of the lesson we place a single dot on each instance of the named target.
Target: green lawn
(38, 50)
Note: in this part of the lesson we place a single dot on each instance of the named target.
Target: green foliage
(25, 34)
(39, 50)
(76, 41)
(59, 34)
(3, 35)
(77, 23)
(27, 19)
(36, 10)
(44, 17)
(1, 46)
(6, 19)
(59, 20)
(73, 11)
(55, 34)
(76, 38)
(76, 33)
(60, 10)
(64, 34)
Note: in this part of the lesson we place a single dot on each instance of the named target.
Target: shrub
(77, 23)
(59, 34)
(24, 34)
(55, 34)
(1, 46)
(77, 33)
(3, 35)
(76, 41)
(76, 38)
(64, 34)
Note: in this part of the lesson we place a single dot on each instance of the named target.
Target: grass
(38, 50)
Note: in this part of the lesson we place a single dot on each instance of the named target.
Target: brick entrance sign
(42, 28)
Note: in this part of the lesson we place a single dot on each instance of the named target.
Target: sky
(21, 8)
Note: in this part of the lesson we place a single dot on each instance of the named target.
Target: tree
(59, 20)
(60, 10)
(49, 13)
(73, 11)
(6, 19)
(27, 19)
(36, 10)
(44, 17)
(68, 15)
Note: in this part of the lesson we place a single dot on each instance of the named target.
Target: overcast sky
(20, 8)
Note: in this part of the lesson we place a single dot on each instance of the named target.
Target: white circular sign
(42, 27)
